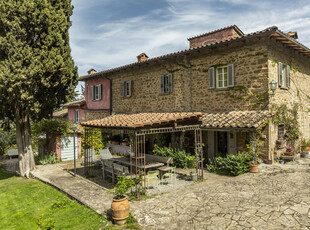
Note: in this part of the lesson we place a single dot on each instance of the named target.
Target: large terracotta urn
(120, 210)
(253, 168)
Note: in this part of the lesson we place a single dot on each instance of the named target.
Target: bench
(112, 170)
(12, 152)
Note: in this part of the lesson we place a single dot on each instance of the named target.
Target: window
(96, 92)
(221, 77)
(76, 116)
(284, 75)
(280, 132)
(125, 88)
(166, 83)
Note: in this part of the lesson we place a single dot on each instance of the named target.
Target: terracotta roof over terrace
(139, 120)
(235, 119)
(60, 113)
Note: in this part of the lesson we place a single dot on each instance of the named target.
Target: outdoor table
(163, 170)
(148, 165)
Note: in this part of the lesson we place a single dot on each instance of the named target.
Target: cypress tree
(37, 72)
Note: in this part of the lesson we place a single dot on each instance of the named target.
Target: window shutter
(99, 92)
(162, 83)
(280, 74)
(230, 75)
(92, 92)
(122, 88)
(170, 83)
(288, 76)
(128, 93)
(211, 78)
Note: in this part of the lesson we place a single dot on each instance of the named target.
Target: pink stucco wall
(104, 103)
(58, 146)
(71, 112)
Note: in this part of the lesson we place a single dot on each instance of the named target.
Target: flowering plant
(289, 149)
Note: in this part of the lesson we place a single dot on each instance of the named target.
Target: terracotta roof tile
(235, 119)
(139, 119)
(60, 113)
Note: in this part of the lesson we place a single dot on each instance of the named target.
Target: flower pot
(120, 210)
(115, 142)
(124, 143)
(289, 153)
(307, 148)
(193, 176)
(253, 168)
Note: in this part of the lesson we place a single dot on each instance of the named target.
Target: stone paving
(278, 197)
(86, 192)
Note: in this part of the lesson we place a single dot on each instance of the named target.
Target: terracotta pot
(308, 148)
(124, 143)
(115, 142)
(289, 153)
(120, 210)
(253, 168)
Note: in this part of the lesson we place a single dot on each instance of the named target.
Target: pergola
(138, 125)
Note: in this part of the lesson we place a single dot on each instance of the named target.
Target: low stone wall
(11, 166)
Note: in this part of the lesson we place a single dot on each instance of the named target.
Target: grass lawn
(25, 202)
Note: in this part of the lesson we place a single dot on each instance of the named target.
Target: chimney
(292, 34)
(91, 71)
(215, 36)
(142, 57)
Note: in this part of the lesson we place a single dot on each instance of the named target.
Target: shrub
(45, 224)
(232, 164)
(45, 159)
(181, 159)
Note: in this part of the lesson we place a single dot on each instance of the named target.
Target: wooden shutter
(99, 92)
(128, 87)
(211, 78)
(162, 84)
(231, 75)
(288, 76)
(280, 74)
(122, 88)
(92, 92)
(170, 83)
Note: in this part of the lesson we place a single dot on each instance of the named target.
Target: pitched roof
(61, 113)
(236, 28)
(138, 120)
(75, 103)
(271, 31)
(235, 119)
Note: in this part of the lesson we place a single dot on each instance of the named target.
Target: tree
(37, 72)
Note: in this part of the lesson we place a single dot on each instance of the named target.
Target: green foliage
(61, 202)
(45, 159)
(289, 118)
(181, 159)
(304, 143)
(96, 140)
(232, 164)
(162, 139)
(29, 199)
(45, 224)
(123, 185)
(7, 139)
(50, 126)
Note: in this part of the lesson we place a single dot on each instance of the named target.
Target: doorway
(222, 141)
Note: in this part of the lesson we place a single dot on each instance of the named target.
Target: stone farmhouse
(230, 82)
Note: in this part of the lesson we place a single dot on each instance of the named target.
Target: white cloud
(117, 42)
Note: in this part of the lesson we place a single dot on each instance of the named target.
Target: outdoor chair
(171, 175)
(105, 154)
(91, 157)
(152, 177)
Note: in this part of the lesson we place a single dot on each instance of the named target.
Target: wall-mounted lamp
(273, 86)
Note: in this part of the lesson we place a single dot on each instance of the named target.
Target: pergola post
(199, 153)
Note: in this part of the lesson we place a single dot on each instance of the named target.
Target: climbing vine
(289, 118)
(240, 92)
(95, 140)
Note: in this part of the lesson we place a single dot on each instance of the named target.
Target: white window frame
(126, 87)
(166, 83)
(76, 116)
(284, 75)
(222, 68)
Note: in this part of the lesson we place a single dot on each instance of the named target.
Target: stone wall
(191, 82)
(95, 115)
(298, 92)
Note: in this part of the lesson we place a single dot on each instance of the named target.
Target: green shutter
(288, 76)
(230, 75)
(162, 84)
(280, 74)
(211, 78)
(170, 83)
(92, 92)
(128, 93)
(99, 92)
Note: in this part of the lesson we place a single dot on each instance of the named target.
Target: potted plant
(254, 164)
(289, 151)
(120, 203)
(115, 140)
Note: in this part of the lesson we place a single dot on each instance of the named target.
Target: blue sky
(110, 33)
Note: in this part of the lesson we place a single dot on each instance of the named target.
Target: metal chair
(170, 175)
(152, 176)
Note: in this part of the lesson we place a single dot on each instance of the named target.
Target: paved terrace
(276, 198)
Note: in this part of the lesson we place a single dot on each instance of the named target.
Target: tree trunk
(26, 159)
